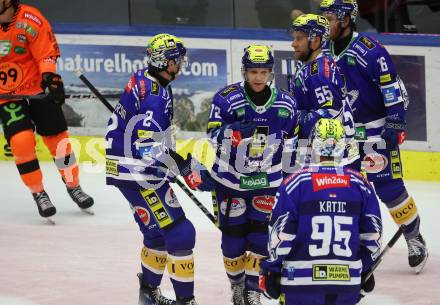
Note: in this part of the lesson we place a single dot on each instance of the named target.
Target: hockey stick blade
(179, 183)
(390, 244)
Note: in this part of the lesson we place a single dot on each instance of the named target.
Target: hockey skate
(45, 206)
(417, 253)
(252, 297)
(84, 201)
(237, 293)
(152, 295)
(186, 301)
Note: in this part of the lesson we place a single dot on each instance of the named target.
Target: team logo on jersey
(263, 203)
(374, 163)
(228, 90)
(327, 181)
(367, 42)
(238, 207)
(314, 68)
(143, 214)
(171, 199)
(331, 273)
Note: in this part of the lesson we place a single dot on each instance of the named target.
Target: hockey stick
(43, 96)
(289, 75)
(379, 259)
(177, 181)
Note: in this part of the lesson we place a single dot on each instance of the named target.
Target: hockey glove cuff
(367, 285)
(196, 175)
(269, 283)
(53, 86)
(393, 133)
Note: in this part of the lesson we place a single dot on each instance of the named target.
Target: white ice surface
(87, 260)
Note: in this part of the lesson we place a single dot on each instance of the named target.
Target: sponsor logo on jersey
(404, 212)
(111, 167)
(235, 96)
(154, 88)
(295, 174)
(213, 125)
(19, 50)
(240, 111)
(171, 199)
(160, 213)
(5, 47)
(21, 38)
(326, 67)
(314, 68)
(351, 61)
(238, 207)
(360, 133)
(145, 134)
(143, 89)
(331, 273)
(263, 203)
(32, 17)
(389, 94)
(396, 166)
(254, 182)
(143, 214)
(359, 48)
(374, 163)
(385, 78)
(228, 90)
(327, 181)
(367, 42)
(283, 113)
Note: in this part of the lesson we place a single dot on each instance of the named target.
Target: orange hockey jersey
(27, 49)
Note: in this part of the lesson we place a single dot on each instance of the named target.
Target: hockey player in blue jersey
(318, 86)
(379, 101)
(253, 128)
(325, 229)
(141, 163)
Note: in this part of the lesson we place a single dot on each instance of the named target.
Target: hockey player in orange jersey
(28, 55)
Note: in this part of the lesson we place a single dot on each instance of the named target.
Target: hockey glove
(196, 175)
(53, 86)
(367, 286)
(269, 283)
(237, 131)
(393, 133)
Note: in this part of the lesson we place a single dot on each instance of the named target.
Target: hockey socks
(181, 271)
(153, 265)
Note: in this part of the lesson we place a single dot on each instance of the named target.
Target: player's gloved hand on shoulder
(196, 175)
(393, 132)
(367, 286)
(237, 131)
(53, 86)
(269, 283)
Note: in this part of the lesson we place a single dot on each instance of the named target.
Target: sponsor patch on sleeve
(314, 68)
(385, 78)
(111, 167)
(367, 42)
(389, 95)
(228, 90)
